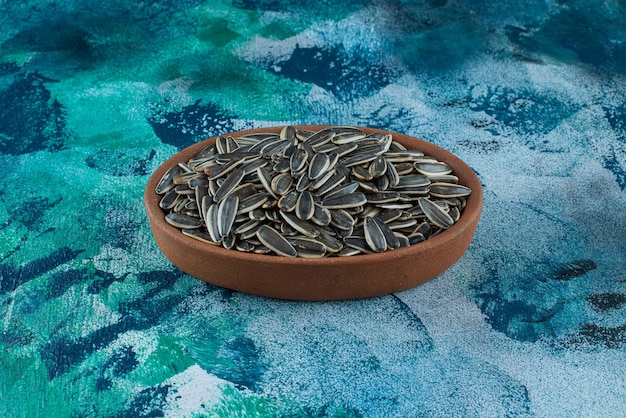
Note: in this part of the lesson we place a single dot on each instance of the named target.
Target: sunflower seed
(219, 171)
(403, 156)
(229, 241)
(261, 249)
(368, 211)
(390, 237)
(244, 246)
(303, 134)
(169, 200)
(263, 141)
(374, 235)
(402, 224)
(251, 166)
(288, 201)
(330, 184)
(333, 245)
(413, 180)
(349, 251)
(435, 213)
(381, 183)
(274, 148)
(432, 168)
(229, 184)
(307, 247)
(320, 137)
(265, 178)
(238, 154)
(423, 228)
(288, 230)
(362, 173)
(221, 145)
(348, 130)
(244, 191)
(444, 178)
(445, 190)
(318, 166)
(226, 214)
(246, 226)
(183, 221)
(257, 215)
(273, 240)
(252, 202)
(404, 168)
(341, 219)
(359, 159)
(288, 152)
(382, 197)
(347, 137)
(305, 206)
(185, 167)
(330, 174)
(288, 132)
(207, 152)
(455, 213)
(321, 215)
(199, 235)
(378, 167)
(341, 190)
(198, 181)
(345, 201)
(281, 183)
(389, 215)
(359, 244)
(344, 149)
(298, 160)
(402, 239)
(184, 190)
(416, 238)
(299, 225)
(368, 186)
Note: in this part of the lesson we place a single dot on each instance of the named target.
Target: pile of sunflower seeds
(337, 191)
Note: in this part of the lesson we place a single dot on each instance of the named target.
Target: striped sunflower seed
(273, 240)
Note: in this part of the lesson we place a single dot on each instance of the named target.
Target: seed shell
(273, 240)
(167, 180)
(435, 213)
(226, 214)
(374, 235)
(345, 201)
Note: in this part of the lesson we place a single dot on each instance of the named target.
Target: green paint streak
(122, 292)
(216, 32)
(249, 92)
(236, 404)
(25, 390)
(167, 360)
(240, 404)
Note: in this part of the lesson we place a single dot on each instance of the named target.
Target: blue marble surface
(94, 96)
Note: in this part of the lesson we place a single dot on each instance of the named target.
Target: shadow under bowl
(330, 278)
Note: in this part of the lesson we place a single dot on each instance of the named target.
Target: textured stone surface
(94, 96)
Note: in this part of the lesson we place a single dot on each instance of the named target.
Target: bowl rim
(468, 218)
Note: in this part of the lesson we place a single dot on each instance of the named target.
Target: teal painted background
(94, 96)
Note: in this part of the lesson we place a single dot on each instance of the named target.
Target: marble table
(95, 321)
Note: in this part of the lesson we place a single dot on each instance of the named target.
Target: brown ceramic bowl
(331, 278)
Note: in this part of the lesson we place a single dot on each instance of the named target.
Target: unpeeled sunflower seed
(273, 240)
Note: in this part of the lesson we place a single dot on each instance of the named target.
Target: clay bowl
(331, 278)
